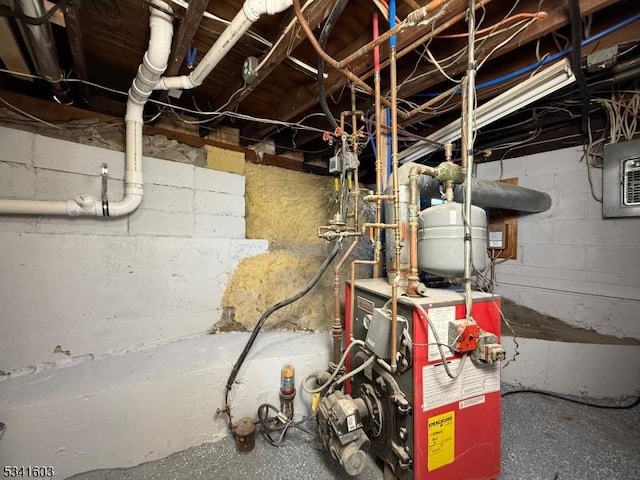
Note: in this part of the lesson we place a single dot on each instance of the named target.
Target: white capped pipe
(153, 66)
(251, 11)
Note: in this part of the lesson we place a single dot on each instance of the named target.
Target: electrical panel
(621, 180)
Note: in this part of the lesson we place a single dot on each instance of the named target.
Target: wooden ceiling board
(113, 51)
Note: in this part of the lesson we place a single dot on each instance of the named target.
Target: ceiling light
(540, 85)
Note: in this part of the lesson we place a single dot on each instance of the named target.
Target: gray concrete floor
(542, 439)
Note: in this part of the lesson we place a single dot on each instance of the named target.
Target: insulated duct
(486, 194)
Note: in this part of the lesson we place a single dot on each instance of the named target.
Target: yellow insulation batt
(286, 207)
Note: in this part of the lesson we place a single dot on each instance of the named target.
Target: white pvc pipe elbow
(251, 11)
(153, 66)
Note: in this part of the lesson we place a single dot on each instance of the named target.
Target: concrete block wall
(128, 302)
(95, 285)
(572, 263)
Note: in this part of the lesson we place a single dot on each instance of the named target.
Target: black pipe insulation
(576, 59)
(487, 194)
(330, 23)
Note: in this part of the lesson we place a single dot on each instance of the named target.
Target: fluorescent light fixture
(540, 85)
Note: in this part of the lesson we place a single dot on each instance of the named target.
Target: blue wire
(546, 60)
(388, 111)
(191, 55)
(392, 22)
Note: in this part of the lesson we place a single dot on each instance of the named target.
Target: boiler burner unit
(423, 424)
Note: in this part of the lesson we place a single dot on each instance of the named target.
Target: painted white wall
(590, 370)
(130, 299)
(571, 263)
(121, 410)
(94, 285)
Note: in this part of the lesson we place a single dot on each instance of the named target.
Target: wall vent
(621, 180)
(631, 179)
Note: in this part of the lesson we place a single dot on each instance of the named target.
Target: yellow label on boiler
(441, 436)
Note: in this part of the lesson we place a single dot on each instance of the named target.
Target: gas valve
(340, 424)
(463, 335)
(488, 349)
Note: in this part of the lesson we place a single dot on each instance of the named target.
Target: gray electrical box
(379, 330)
(621, 180)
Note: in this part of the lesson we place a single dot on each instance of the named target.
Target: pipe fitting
(83, 205)
(449, 172)
(182, 82)
(416, 288)
(254, 9)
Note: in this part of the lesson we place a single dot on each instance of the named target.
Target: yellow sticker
(441, 434)
(315, 402)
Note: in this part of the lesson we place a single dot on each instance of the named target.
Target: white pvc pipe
(251, 11)
(153, 66)
(30, 207)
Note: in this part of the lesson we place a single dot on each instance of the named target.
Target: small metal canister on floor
(244, 432)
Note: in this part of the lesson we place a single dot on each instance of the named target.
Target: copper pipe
(353, 297)
(424, 11)
(431, 33)
(336, 331)
(394, 323)
(377, 252)
(326, 57)
(377, 197)
(377, 225)
(356, 182)
(337, 322)
(414, 287)
(406, 133)
(396, 203)
(354, 119)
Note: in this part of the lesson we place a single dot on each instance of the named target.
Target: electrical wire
(268, 312)
(506, 41)
(629, 406)
(435, 63)
(274, 424)
(293, 125)
(8, 12)
(22, 112)
(576, 58)
(547, 59)
(436, 337)
(481, 32)
(328, 27)
(335, 372)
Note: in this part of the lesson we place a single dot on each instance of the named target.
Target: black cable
(272, 309)
(576, 59)
(633, 404)
(338, 8)
(275, 424)
(7, 12)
